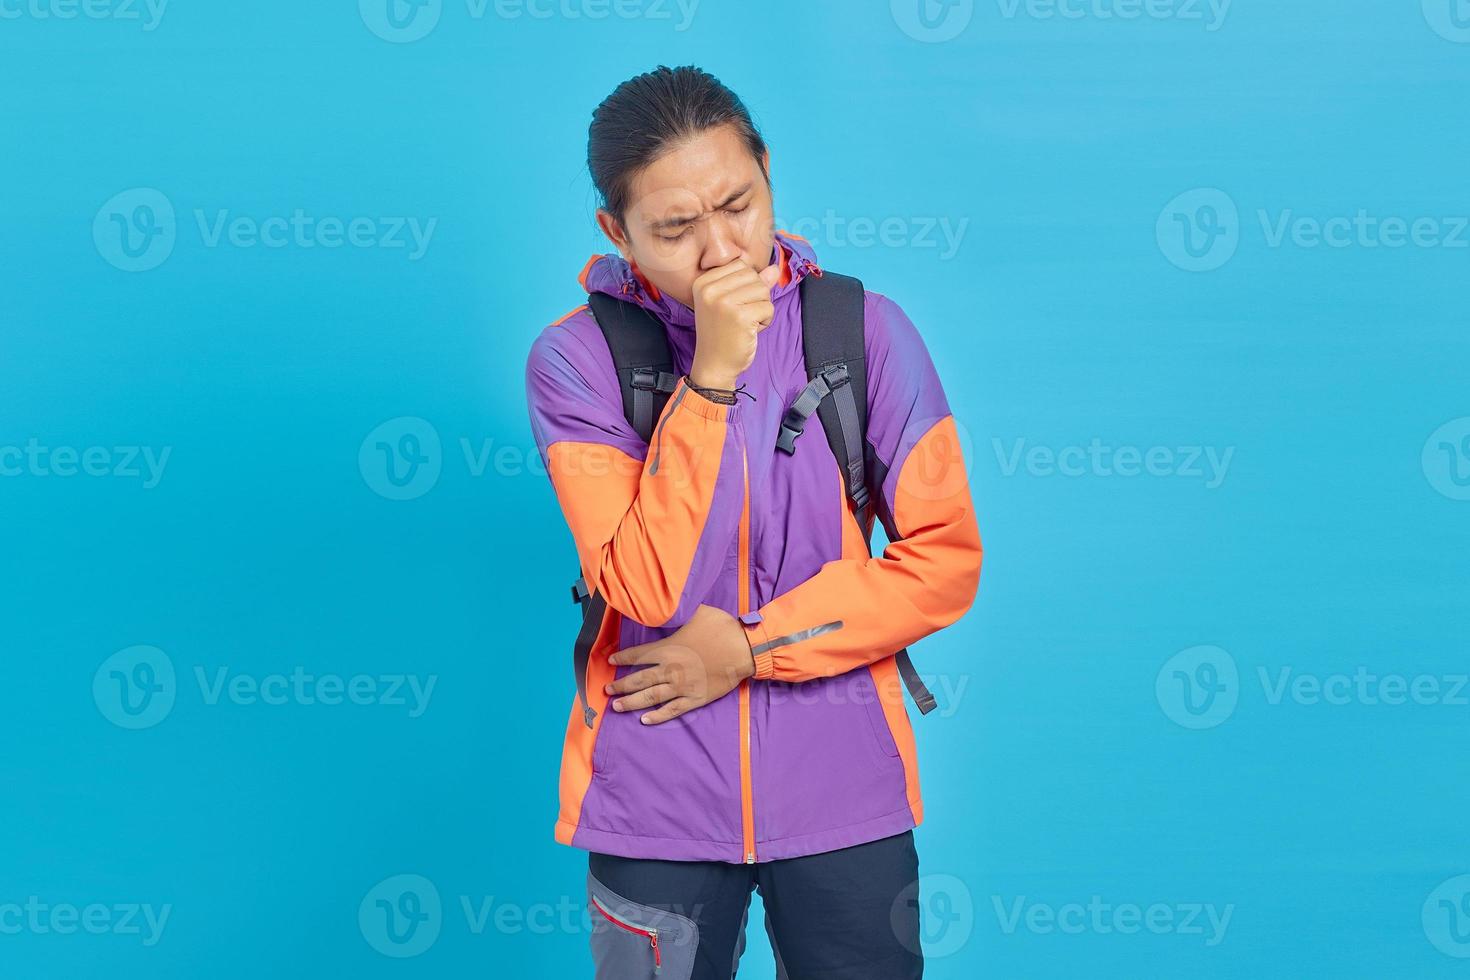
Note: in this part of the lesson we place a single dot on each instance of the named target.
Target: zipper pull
(750, 857)
(653, 942)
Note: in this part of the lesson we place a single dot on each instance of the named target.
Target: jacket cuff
(688, 398)
(756, 636)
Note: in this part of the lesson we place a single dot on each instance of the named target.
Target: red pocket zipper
(650, 934)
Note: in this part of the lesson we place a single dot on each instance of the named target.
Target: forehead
(699, 172)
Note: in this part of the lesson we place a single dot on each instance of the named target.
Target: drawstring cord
(720, 396)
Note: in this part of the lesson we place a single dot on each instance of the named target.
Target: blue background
(1066, 769)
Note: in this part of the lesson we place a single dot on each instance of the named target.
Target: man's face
(704, 203)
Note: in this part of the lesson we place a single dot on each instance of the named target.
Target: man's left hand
(700, 662)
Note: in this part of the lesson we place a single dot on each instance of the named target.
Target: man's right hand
(731, 305)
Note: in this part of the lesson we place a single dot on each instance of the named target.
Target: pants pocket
(638, 942)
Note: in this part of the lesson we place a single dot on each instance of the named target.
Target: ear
(766, 163)
(613, 229)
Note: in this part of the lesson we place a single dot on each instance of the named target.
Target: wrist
(747, 661)
(741, 653)
(705, 378)
(720, 396)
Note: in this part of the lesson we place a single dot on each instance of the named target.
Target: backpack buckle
(836, 375)
(793, 423)
(791, 427)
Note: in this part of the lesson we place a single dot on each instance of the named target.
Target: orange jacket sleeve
(860, 609)
(653, 522)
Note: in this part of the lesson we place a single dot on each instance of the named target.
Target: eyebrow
(679, 219)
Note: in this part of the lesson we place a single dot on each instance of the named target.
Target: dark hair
(649, 112)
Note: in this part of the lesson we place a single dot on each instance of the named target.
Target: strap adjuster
(580, 593)
(647, 379)
(835, 375)
(822, 384)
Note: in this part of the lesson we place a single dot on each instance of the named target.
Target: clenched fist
(731, 305)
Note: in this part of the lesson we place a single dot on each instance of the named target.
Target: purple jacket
(815, 752)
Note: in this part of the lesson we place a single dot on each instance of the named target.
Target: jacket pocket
(638, 942)
(877, 720)
(600, 742)
(603, 752)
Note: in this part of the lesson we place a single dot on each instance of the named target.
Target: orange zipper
(747, 801)
(650, 934)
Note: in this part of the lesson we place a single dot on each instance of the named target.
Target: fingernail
(617, 706)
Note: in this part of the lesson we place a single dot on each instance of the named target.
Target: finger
(771, 274)
(636, 681)
(708, 278)
(753, 291)
(737, 271)
(735, 284)
(758, 308)
(646, 698)
(643, 653)
(763, 312)
(670, 711)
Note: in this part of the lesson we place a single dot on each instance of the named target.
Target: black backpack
(837, 391)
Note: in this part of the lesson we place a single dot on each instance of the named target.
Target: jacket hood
(613, 275)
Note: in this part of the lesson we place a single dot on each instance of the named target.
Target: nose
(721, 244)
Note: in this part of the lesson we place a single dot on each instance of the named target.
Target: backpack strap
(641, 353)
(837, 373)
(833, 343)
(645, 366)
(594, 607)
